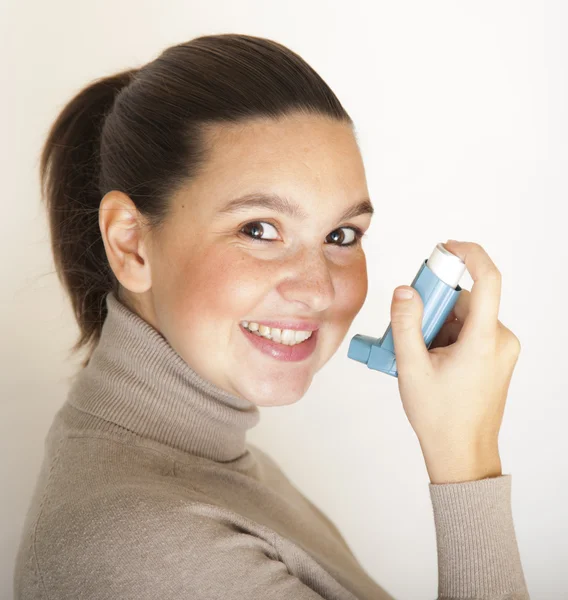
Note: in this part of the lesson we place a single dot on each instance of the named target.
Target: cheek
(218, 286)
(351, 290)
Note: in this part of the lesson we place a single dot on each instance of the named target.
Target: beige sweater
(149, 490)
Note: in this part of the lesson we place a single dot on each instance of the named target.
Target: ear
(124, 230)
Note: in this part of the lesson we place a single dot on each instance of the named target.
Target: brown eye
(255, 230)
(338, 237)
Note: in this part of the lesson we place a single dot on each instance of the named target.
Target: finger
(406, 325)
(483, 312)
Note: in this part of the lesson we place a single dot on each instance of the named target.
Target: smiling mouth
(287, 337)
(279, 350)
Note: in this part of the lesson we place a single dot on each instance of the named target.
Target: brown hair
(138, 131)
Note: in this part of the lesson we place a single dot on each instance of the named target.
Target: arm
(478, 555)
(454, 394)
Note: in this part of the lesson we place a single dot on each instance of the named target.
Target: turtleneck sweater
(149, 489)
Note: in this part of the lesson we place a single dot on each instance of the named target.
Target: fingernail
(403, 294)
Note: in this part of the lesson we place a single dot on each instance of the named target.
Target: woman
(206, 214)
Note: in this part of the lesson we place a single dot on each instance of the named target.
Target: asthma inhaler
(437, 282)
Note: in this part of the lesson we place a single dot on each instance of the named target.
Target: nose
(307, 281)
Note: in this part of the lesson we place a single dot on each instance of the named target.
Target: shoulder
(141, 543)
(110, 513)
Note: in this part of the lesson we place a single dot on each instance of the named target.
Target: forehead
(296, 155)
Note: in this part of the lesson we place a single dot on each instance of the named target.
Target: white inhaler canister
(437, 282)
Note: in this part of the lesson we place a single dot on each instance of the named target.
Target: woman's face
(209, 272)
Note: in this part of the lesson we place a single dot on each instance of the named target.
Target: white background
(461, 112)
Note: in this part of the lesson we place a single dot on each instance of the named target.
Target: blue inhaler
(437, 282)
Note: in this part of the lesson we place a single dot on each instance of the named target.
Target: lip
(294, 325)
(282, 352)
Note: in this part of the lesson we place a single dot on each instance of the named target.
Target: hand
(454, 394)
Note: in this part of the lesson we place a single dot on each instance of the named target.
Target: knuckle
(515, 344)
(510, 341)
(494, 274)
(401, 321)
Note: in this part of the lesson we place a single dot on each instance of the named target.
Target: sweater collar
(136, 380)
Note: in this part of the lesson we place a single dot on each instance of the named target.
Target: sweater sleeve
(478, 555)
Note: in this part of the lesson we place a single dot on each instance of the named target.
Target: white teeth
(289, 337)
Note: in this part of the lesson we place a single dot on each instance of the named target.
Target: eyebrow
(284, 205)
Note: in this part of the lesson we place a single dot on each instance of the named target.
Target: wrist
(462, 464)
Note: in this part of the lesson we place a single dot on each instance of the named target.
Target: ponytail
(69, 174)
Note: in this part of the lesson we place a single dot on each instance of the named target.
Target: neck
(137, 381)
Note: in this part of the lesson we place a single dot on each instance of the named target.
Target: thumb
(406, 323)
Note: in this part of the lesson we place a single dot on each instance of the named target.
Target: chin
(276, 401)
(274, 393)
